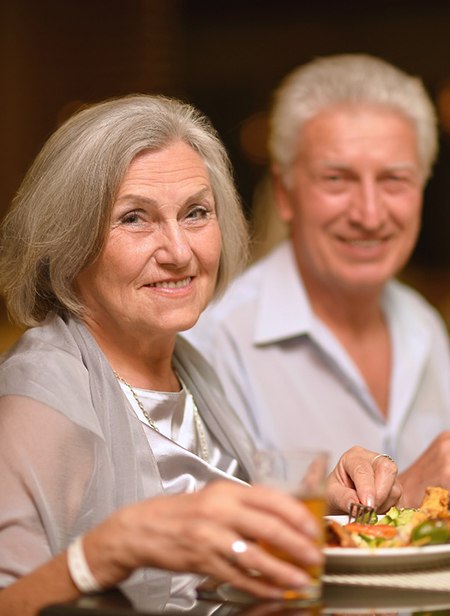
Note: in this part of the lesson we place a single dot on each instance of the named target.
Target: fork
(362, 514)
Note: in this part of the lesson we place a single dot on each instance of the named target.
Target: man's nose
(368, 208)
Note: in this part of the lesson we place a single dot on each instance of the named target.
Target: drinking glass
(302, 473)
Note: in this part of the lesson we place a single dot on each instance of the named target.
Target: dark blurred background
(226, 57)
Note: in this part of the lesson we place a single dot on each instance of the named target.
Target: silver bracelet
(79, 570)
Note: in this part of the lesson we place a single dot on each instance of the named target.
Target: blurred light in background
(253, 138)
(443, 106)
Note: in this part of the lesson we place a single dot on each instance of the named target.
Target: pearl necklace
(199, 428)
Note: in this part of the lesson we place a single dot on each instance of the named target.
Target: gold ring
(383, 455)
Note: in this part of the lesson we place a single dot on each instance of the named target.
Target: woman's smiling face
(158, 269)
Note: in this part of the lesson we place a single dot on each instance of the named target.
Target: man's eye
(394, 178)
(334, 182)
(395, 182)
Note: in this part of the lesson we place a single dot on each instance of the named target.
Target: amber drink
(302, 473)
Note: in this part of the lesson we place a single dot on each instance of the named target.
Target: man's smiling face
(353, 198)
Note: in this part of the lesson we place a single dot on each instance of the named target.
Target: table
(338, 599)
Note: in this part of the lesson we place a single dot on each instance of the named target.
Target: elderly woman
(119, 456)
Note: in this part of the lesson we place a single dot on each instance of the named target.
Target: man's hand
(432, 468)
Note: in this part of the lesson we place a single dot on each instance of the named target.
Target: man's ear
(282, 196)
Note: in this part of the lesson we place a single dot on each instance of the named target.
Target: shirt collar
(284, 312)
(283, 309)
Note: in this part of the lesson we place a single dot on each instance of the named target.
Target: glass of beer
(303, 474)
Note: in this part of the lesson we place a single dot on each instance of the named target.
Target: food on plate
(435, 502)
(427, 525)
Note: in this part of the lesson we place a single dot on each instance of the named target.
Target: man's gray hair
(348, 79)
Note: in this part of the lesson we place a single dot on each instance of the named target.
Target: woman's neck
(146, 374)
(145, 362)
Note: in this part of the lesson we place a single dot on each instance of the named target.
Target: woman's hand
(196, 532)
(365, 477)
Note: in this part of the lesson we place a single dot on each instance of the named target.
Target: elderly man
(317, 344)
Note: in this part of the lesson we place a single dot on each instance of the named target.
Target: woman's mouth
(171, 284)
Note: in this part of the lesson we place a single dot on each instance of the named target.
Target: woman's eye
(130, 218)
(198, 213)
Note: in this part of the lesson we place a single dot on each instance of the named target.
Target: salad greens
(397, 517)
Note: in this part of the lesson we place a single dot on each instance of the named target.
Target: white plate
(360, 560)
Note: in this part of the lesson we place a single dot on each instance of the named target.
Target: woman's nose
(173, 246)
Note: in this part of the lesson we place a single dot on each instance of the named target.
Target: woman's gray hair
(59, 219)
(348, 79)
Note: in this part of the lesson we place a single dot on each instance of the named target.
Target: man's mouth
(171, 284)
(365, 243)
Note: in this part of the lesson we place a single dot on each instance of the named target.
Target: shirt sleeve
(46, 470)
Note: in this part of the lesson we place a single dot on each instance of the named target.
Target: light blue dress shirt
(294, 384)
